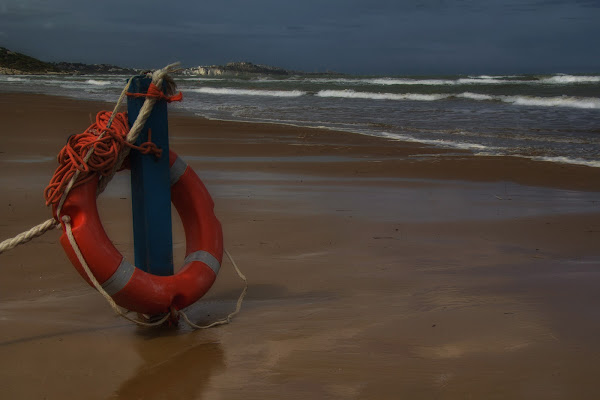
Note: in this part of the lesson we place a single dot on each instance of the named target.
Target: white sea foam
(351, 94)
(568, 160)
(96, 82)
(569, 79)
(440, 142)
(15, 79)
(249, 92)
(556, 101)
(559, 101)
(481, 150)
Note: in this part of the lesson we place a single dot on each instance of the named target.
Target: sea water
(552, 117)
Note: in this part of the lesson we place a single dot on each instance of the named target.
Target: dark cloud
(365, 36)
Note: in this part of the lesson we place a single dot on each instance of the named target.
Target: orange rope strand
(103, 159)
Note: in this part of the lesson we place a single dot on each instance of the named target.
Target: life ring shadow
(172, 374)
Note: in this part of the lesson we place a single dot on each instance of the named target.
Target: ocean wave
(482, 150)
(568, 160)
(50, 82)
(475, 96)
(383, 81)
(329, 80)
(14, 79)
(442, 143)
(351, 94)
(570, 79)
(199, 78)
(74, 85)
(560, 79)
(84, 86)
(485, 80)
(96, 82)
(387, 81)
(408, 81)
(557, 101)
(562, 101)
(249, 92)
(494, 76)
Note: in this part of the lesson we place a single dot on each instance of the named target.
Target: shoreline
(516, 163)
(376, 270)
(458, 148)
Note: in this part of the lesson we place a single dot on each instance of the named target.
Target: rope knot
(150, 147)
(155, 93)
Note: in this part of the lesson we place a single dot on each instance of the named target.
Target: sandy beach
(377, 269)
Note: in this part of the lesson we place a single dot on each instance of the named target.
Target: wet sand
(377, 270)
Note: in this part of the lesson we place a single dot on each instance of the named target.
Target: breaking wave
(351, 94)
(96, 82)
(570, 79)
(560, 79)
(442, 143)
(557, 101)
(15, 79)
(249, 92)
(569, 160)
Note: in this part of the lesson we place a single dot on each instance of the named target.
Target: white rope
(26, 236)
(52, 223)
(237, 307)
(67, 221)
(138, 125)
(134, 132)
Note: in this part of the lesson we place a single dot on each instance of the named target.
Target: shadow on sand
(176, 368)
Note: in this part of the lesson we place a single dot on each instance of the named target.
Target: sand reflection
(174, 367)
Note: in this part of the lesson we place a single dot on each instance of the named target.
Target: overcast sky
(352, 36)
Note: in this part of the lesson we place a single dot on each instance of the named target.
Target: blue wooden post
(151, 188)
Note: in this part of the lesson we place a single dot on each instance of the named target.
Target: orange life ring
(130, 287)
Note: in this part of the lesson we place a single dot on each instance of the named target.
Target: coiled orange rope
(107, 143)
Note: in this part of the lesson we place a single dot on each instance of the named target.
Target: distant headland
(14, 63)
(236, 68)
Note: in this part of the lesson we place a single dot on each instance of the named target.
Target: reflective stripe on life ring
(130, 287)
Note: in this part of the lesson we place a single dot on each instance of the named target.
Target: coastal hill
(13, 63)
(246, 68)
(81, 68)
